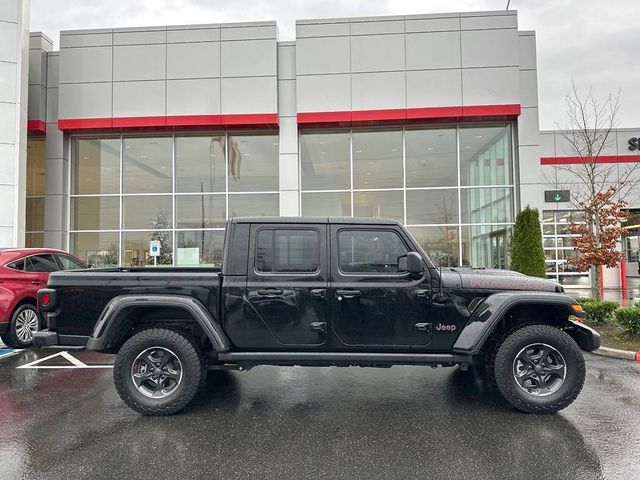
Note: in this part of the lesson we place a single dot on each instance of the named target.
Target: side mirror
(411, 262)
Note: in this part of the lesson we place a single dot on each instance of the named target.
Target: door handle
(318, 293)
(320, 327)
(36, 282)
(423, 327)
(347, 294)
(270, 292)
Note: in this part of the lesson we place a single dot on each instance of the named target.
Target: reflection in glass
(200, 211)
(486, 205)
(135, 248)
(33, 240)
(253, 205)
(35, 214)
(253, 163)
(432, 207)
(95, 213)
(440, 243)
(486, 246)
(147, 165)
(199, 248)
(147, 212)
(200, 164)
(485, 156)
(431, 157)
(334, 204)
(324, 160)
(95, 166)
(98, 249)
(377, 159)
(36, 167)
(379, 204)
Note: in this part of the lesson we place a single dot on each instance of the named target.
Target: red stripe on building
(36, 127)
(579, 160)
(409, 115)
(168, 123)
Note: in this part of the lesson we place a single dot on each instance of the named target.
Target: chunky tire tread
(192, 366)
(501, 364)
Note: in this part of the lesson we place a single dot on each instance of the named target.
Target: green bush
(598, 311)
(527, 255)
(629, 319)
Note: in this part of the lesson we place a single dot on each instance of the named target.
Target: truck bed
(77, 316)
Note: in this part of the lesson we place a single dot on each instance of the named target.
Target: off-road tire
(10, 339)
(191, 362)
(502, 361)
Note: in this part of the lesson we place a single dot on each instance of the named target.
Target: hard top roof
(307, 220)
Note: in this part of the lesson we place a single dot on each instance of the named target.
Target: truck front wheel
(158, 371)
(539, 369)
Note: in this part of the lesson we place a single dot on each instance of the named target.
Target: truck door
(372, 304)
(287, 284)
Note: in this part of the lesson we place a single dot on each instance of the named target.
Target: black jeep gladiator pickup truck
(318, 292)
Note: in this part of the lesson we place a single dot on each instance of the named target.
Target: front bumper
(49, 340)
(4, 327)
(586, 337)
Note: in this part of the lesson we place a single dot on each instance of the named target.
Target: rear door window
(69, 263)
(288, 251)
(17, 265)
(44, 263)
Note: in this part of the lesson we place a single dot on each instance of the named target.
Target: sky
(595, 43)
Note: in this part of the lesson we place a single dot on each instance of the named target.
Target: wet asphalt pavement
(281, 423)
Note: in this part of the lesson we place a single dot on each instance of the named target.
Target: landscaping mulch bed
(614, 336)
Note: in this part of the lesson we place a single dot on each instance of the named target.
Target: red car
(23, 271)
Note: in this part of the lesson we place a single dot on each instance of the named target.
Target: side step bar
(356, 358)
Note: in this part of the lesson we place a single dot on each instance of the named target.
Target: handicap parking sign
(154, 248)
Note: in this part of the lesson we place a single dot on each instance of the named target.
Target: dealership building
(127, 135)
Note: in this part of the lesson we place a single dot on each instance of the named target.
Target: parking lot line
(7, 352)
(75, 363)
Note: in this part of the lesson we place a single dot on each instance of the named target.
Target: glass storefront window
(432, 206)
(253, 163)
(558, 244)
(379, 204)
(431, 157)
(148, 165)
(377, 159)
(34, 208)
(199, 248)
(95, 213)
(35, 214)
(96, 166)
(485, 156)
(98, 249)
(440, 243)
(253, 205)
(135, 248)
(486, 246)
(331, 204)
(200, 164)
(200, 211)
(162, 178)
(147, 212)
(486, 205)
(325, 161)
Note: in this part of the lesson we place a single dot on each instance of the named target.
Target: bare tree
(597, 187)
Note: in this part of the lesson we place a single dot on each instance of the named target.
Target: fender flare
(117, 306)
(492, 310)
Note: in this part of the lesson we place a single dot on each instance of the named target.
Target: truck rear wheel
(539, 369)
(158, 371)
